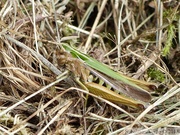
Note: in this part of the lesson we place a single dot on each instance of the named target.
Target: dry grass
(38, 96)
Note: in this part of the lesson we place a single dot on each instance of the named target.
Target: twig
(94, 25)
(35, 54)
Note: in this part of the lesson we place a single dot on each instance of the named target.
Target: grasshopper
(134, 93)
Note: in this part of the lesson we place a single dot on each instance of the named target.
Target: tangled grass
(38, 96)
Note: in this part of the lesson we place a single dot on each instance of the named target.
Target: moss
(172, 19)
(168, 43)
(156, 74)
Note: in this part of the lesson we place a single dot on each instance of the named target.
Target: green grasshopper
(134, 92)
